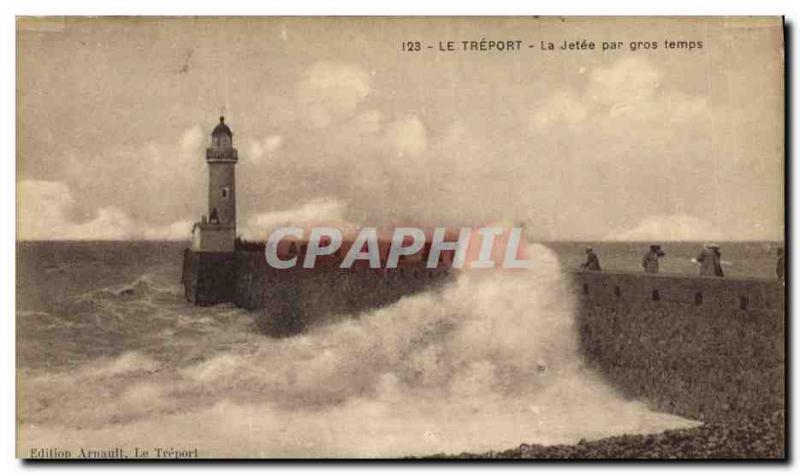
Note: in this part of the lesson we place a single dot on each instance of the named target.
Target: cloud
(593, 145)
(46, 211)
(663, 228)
(316, 211)
(332, 91)
(407, 136)
(264, 147)
(629, 80)
(631, 88)
(368, 121)
(563, 107)
(154, 184)
(193, 139)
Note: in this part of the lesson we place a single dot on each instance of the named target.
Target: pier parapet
(702, 347)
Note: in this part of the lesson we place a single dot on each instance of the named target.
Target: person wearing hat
(650, 259)
(592, 263)
(709, 261)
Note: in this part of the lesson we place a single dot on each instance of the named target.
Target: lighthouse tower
(217, 231)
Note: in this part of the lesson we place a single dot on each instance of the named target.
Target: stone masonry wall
(290, 300)
(702, 347)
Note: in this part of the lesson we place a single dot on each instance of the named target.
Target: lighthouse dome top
(221, 129)
(221, 143)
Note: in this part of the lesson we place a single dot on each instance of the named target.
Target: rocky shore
(750, 437)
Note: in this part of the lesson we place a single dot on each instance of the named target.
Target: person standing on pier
(592, 263)
(650, 259)
(709, 261)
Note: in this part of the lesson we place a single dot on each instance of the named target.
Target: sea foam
(488, 362)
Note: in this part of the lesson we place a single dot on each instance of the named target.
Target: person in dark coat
(592, 263)
(709, 261)
(650, 259)
(780, 268)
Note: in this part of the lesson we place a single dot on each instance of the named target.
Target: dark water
(109, 353)
(81, 300)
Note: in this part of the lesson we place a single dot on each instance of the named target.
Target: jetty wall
(702, 347)
(286, 302)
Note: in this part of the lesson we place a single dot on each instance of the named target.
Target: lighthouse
(216, 232)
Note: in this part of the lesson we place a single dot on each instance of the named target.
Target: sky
(334, 122)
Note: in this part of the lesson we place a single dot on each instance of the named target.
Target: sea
(110, 355)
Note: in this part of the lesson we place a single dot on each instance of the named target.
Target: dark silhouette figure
(650, 259)
(592, 263)
(709, 260)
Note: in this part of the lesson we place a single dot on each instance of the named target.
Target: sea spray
(488, 362)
